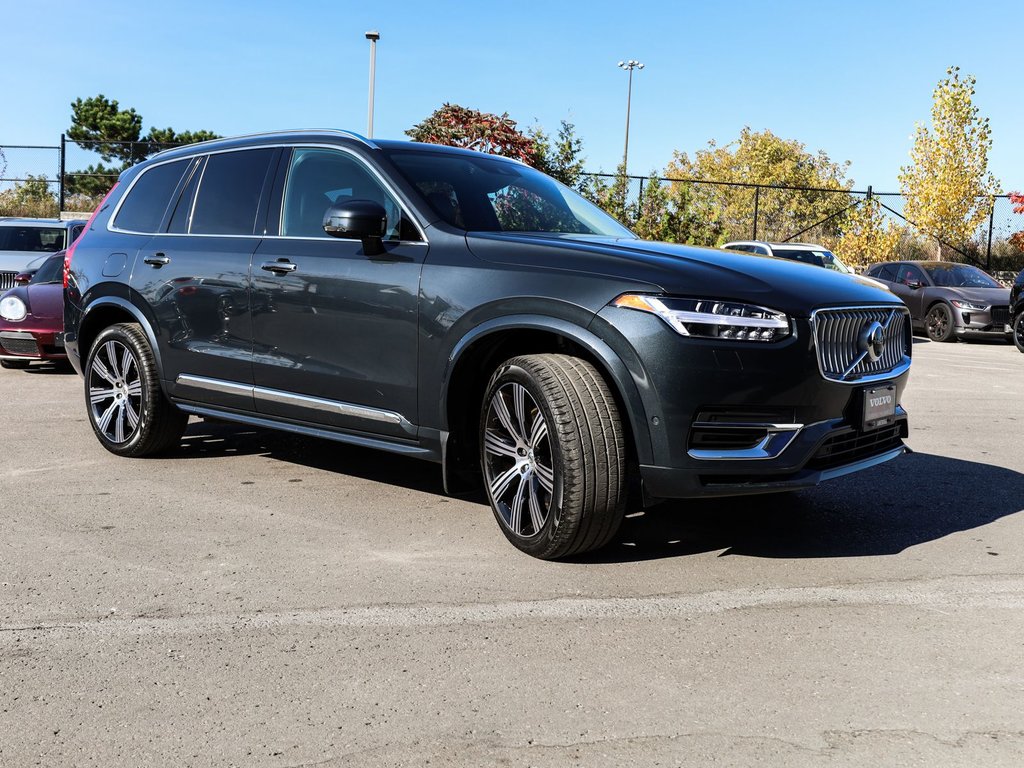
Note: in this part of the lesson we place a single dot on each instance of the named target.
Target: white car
(808, 253)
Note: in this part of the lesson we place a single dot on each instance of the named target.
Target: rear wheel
(127, 409)
(553, 455)
(14, 364)
(1018, 332)
(939, 323)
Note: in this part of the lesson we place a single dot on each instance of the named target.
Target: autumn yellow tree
(868, 235)
(948, 186)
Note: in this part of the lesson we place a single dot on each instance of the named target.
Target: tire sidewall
(121, 335)
(1018, 331)
(508, 374)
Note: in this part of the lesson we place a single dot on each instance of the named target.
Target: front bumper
(991, 323)
(819, 452)
(32, 345)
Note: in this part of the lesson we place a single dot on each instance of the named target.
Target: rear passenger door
(335, 330)
(194, 275)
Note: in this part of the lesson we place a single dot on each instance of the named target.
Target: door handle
(156, 260)
(279, 267)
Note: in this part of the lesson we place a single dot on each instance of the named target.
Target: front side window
(144, 206)
(489, 194)
(908, 274)
(230, 190)
(321, 178)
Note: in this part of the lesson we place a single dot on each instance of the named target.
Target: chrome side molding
(777, 439)
(300, 401)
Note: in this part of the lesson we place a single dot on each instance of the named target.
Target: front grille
(849, 447)
(19, 346)
(7, 280)
(844, 354)
(1001, 315)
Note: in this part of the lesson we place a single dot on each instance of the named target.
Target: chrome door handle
(156, 260)
(279, 267)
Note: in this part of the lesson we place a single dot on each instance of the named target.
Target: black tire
(552, 443)
(938, 323)
(14, 365)
(127, 409)
(1018, 332)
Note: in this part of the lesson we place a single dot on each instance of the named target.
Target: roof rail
(348, 134)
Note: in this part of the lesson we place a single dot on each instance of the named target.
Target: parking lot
(266, 600)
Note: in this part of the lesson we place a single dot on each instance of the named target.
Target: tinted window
(320, 178)
(884, 272)
(229, 192)
(35, 239)
(52, 270)
(908, 273)
(144, 207)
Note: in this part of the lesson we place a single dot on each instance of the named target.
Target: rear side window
(229, 192)
(144, 207)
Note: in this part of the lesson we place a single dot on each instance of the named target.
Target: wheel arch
(107, 311)
(474, 358)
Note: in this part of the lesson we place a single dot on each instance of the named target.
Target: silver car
(24, 241)
(948, 300)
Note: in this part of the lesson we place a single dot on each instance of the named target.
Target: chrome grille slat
(837, 334)
(7, 281)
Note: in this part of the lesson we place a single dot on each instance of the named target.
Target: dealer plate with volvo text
(879, 406)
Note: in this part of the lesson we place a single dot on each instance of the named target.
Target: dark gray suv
(469, 310)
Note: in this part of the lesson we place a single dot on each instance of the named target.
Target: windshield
(959, 276)
(34, 239)
(488, 194)
(820, 258)
(52, 270)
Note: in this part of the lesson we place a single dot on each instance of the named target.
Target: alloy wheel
(115, 392)
(518, 465)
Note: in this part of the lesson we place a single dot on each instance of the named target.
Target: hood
(45, 302)
(980, 295)
(683, 270)
(19, 261)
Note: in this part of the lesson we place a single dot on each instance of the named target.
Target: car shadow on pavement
(915, 499)
(204, 439)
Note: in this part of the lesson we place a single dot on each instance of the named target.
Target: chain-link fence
(706, 212)
(44, 180)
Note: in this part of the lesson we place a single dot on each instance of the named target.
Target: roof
(49, 223)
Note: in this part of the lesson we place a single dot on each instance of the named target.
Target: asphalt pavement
(259, 599)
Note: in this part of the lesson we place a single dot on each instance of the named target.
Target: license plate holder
(879, 407)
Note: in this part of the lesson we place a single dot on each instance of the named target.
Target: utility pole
(373, 36)
(629, 66)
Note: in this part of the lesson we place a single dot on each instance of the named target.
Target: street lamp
(629, 66)
(373, 36)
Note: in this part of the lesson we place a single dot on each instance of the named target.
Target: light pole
(629, 66)
(373, 36)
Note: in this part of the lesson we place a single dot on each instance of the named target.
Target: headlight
(12, 308)
(960, 303)
(712, 319)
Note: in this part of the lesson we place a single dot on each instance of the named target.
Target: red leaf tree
(456, 126)
(1017, 238)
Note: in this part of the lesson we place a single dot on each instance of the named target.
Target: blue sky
(848, 78)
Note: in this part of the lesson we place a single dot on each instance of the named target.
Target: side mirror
(23, 278)
(364, 220)
(913, 284)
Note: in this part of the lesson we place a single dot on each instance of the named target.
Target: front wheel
(1018, 332)
(553, 455)
(939, 323)
(127, 409)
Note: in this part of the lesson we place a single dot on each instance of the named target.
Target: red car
(32, 316)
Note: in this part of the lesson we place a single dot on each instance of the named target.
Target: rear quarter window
(146, 202)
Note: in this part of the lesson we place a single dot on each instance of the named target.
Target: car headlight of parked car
(712, 318)
(13, 309)
(969, 305)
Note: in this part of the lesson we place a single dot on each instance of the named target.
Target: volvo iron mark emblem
(872, 340)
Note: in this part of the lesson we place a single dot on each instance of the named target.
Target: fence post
(640, 199)
(63, 167)
(757, 198)
(991, 221)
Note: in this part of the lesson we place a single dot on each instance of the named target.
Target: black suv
(1017, 310)
(469, 310)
